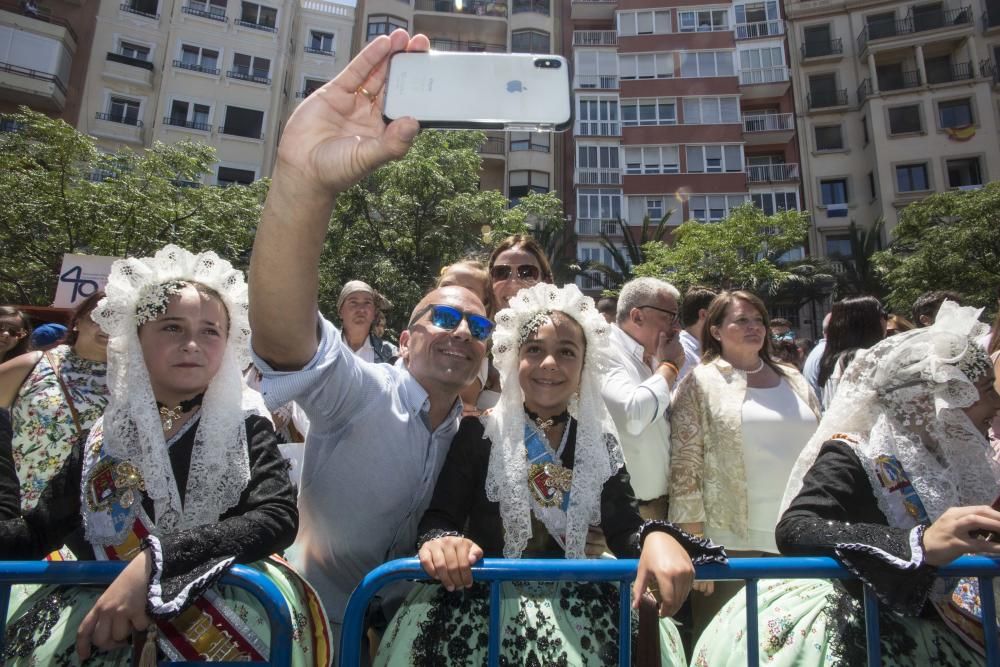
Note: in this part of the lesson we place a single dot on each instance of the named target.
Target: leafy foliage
(630, 253)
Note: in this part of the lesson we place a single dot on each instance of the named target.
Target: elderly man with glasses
(647, 362)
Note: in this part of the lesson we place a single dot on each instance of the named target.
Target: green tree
(629, 254)
(946, 241)
(59, 194)
(544, 216)
(742, 251)
(860, 274)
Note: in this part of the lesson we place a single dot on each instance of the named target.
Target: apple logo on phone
(515, 86)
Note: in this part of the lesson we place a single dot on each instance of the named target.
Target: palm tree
(859, 275)
(558, 240)
(628, 254)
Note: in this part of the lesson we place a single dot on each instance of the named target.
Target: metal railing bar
(624, 623)
(874, 646)
(494, 630)
(753, 630)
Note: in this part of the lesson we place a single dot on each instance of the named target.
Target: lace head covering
(904, 398)
(138, 291)
(598, 454)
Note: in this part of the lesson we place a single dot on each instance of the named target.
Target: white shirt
(366, 352)
(692, 354)
(637, 399)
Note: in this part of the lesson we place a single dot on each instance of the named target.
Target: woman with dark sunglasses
(517, 262)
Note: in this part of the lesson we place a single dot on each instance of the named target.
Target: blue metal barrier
(93, 573)
(751, 570)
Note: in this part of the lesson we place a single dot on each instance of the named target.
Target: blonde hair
(479, 273)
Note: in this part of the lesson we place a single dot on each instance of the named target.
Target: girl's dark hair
(855, 324)
(527, 244)
(711, 348)
(25, 342)
(83, 310)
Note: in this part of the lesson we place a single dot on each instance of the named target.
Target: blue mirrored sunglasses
(449, 318)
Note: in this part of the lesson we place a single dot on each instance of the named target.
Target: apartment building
(896, 101)
(44, 53)
(684, 109)
(227, 73)
(515, 163)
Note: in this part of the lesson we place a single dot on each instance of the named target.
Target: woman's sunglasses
(529, 273)
(449, 318)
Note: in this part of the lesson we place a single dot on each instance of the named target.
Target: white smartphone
(498, 91)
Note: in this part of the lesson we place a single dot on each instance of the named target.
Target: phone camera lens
(547, 63)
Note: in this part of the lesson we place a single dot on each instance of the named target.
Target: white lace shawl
(220, 467)
(598, 454)
(905, 397)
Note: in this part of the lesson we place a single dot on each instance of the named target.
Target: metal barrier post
(874, 646)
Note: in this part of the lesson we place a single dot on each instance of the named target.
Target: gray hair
(641, 292)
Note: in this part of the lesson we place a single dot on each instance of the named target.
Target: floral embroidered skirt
(42, 622)
(560, 623)
(814, 623)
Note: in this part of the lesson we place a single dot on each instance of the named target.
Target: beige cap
(353, 286)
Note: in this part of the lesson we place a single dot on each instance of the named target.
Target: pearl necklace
(759, 368)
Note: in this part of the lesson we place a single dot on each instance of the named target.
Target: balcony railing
(215, 16)
(195, 67)
(132, 10)
(768, 122)
(253, 77)
(190, 124)
(759, 29)
(749, 77)
(473, 7)
(772, 173)
(864, 91)
(33, 74)
(914, 23)
(118, 118)
(833, 47)
(127, 60)
(900, 81)
(493, 146)
(598, 128)
(598, 81)
(595, 38)
(596, 227)
(586, 176)
(954, 72)
(41, 14)
(988, 69)
(320, 52)
(255, 26)
(242, 132)
(822, 99)
(461, 45)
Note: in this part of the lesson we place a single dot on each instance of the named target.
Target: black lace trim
(701, 549)
(435, 534)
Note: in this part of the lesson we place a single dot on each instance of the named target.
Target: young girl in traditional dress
(527, 479)
(179, 477)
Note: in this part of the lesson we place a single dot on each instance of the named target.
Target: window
(524, 182)
(598, 165)
(230, 176)
(311, 85)
(903, 120)
(772, 202)
(213, 7)
(652, 160)
(707, 63)
(383, 24)
(251, 67)
(598, 204)
(533, 6)
(529, 41)
(654, 209)
(186, 114)
(643, 23)
(714, 159)
(838, 246)
(652, 111)
(818, 41)
(829, 138)
(144, 7)
(646, 66)
(757, 12)
(259, 15)
(711, 110)
(928, 16)
(243, 122)
(135, 51)
(864, 128)
(704, 20)
(964, 172)
(833, 192)
(599, 117)
(321, 41)
(123, 110)
(596, 69)
(871, 185)
(911, 177)
(530, 141)
(938, 69)
(712, 208)
(199, 59)
(955, 113)
(881, 25)
(765, 65)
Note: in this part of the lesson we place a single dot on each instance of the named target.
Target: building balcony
(194, 67)
(914, 23)
(955, 72)
(212, 15)
(253, 77)
(593, 10)
(760, 29)
(468, 21)
(130, 70)
(329, 53)
(826, 99)
(888, 84)
(466, 46)
(118, 118)
(131, 62)
(596, 227)
(584, 176)
(826, 50)
(596, 82)
(588, 281)
(989, 70)
(23, 85)
(598, 128)
(772, 173)
(595, 38)
(263, 27)
(764, 82)
(41, 23)
(185, 123)
(770, 128)
(132, 9)
(494, 146)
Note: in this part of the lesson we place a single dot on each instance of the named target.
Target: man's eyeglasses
(449, 318)
(529, 273)
(671, 314)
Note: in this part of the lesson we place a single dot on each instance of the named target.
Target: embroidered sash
(550, 484)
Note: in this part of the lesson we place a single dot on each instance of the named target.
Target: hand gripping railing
(751, 570)
(94, 573)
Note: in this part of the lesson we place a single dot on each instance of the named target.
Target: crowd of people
(515, 418)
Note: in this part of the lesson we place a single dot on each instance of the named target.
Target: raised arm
(335, 138)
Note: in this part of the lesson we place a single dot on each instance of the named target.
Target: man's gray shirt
(369, 468)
